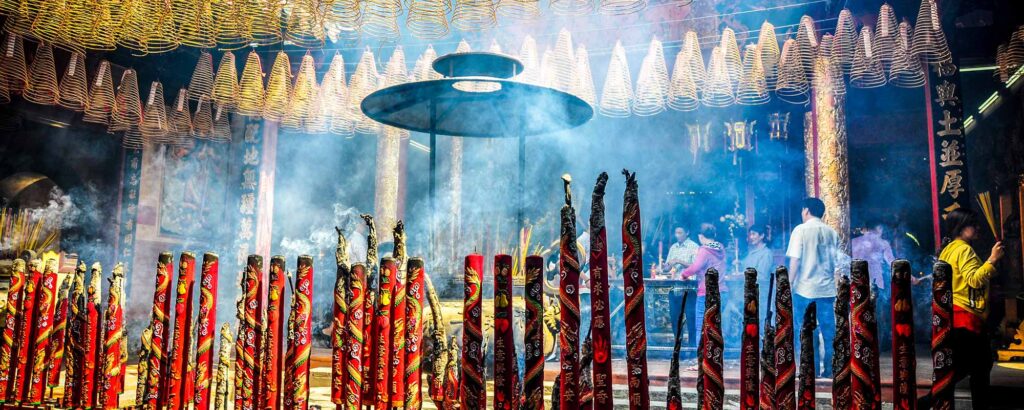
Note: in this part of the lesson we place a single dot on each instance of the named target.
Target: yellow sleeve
(973, 271)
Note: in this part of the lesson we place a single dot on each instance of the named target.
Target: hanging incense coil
(101, 96)
(221, 130)
(519, 9)
(334, 98)
(682, 92)
(305, 26)
(181, 118)
(718, 89)
(494, 47)
(547, 76)
(621, 7)
(380, 18)
(531, 64)
(202, 120)
(230, 24)
(154, 125)
(148, 26)
(929, 41)
(304, 101)
(835, 71)
(731, 52)
(828, 76)
(844, 43)
(825, 46)
(563, 62)
(474, 15)
(428, 19)
(650, 94)
(345, 16)
(617, 93)
(584, 78)
(691, 44)
(364, 81)
(867, 69)
(225, 84)
(768, 45)
(195, 23)
(93, 26)
(427, 72)
(1002, 67)
(275, 107)
(42, 82)
(906, 71)
(753, 87)
(127, 112)
(74, 88)
(571, 7)
(262, 20)
(886, 35)
(807, 43)
(46, 25)
(12, 63)
(792, 85)
(201, 84)
(1015, 51)
(395, 74)
(250, 87)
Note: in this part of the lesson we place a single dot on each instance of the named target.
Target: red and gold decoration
(206, 328)
(633, 281)
(115, 346)
(863, 337)
(841, 393)
(749, 358)
(275, 333)
(75, 357)
(370, 310)
(59, 339)
(253, 316)
(160, 326)
(473, 393)
(600, 309)
(338, 327)
(30, 301)
(904, 357)
(569, 305)
(300, 342)
(533, 378)
(13, 316)
(710, 384)
(942, 344)
(91, 342)
(382, 334)
(414, 333)
(396, 368)
(176, 375)
(504, 344)
(805, 399)
(355, 339)
(785, 367)
(46, 298)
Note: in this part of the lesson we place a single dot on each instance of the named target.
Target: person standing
(680, 255)
(813, 258)
(711, 254)
(871, 247)
(761, 258)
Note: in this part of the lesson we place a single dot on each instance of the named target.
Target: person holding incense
(971, 276)
(711, 254)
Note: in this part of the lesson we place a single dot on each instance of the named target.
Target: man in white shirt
(813, 259)
(680, 255)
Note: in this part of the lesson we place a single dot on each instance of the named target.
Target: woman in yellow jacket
(972, 354)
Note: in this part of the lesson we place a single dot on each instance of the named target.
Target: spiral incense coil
(262, 20)
(251, 94)
(304, 95)
(305, 24)
(20, 21)
(428, 19)
(345, 15)
(380, 18)
(475, 15)
(753, 87)
(617, 93)
(825, 47)
(94, 26)
(867, 70)
(225, 84)
(835, 73)
(154, 125)
(620, 7)
(731, 52)
(334, 98)
(74, 89)
(201, 84)
(657, 53)
(42, 82)
(906, 71)
(531, 64)
(364, 82)
(546, 74)
(768, 45)
(202, 120)
(792, 85)
(828, 75)
(649, 98)
(520, 9)
(127, 112)
(132, 138)
(395, 74)
(101, 96)
(195, 23)
(691, 44)
(571, 7)
(1015, 51)
(427, 72)
(48, 21)
(229, 23)
(563, 62)
(221, 130)
(584, 78)
(844, 43)
(181, 118)
(1003, 69)
(718, 89)
(494, 47)
(886, 35)
(682, 92)
(807, 43)
(12, 63)
(929, 41)
(276, 104)
(149, 27)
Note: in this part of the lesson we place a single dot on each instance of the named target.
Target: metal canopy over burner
(477, 64)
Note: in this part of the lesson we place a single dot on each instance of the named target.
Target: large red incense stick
(600, 310)
(710, 384)
(504, 344)
(254, 312)
(182, 336)
(863, 339)
(59, 339)
(338, 326)
(113, 337)
(396, 378)
(633, 281)
(19, 389)
(674, 401)
(355, 341)
(785, 366)
(533, 378)
(74, 356)
(241, 371)
(452, 388)
(273, 357)
(767, 391)
(841, 393)
(472, 393)
(904, 357)
(569, 304)
(370, 309)
(206, 329)
(749, 359)
(805, 398)
(160, 326)
(942, 343)
(91, 342)
(414, 334)
(12, 322)
(382, 334)
(300, 341)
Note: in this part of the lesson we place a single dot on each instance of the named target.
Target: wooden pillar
(828, 170)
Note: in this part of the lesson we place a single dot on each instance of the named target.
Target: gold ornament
(230, 23)
(221, 129)
(806, 44)
(519, 9)
(127, 114)
(334, 99)
(263, 19)
(731, 53)
(305, 24)
(691, 44)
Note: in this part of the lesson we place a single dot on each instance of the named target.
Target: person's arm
(887, 253)
(694, 268)
(794, 266)
(976, 273)
(794, 253)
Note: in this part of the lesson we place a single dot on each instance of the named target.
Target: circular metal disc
(507, 109)
(477, 63)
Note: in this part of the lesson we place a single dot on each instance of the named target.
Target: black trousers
(675, 303)
(972, 357)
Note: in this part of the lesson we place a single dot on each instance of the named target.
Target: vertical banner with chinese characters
(947, 143)
(250, 151)
(131, 175)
